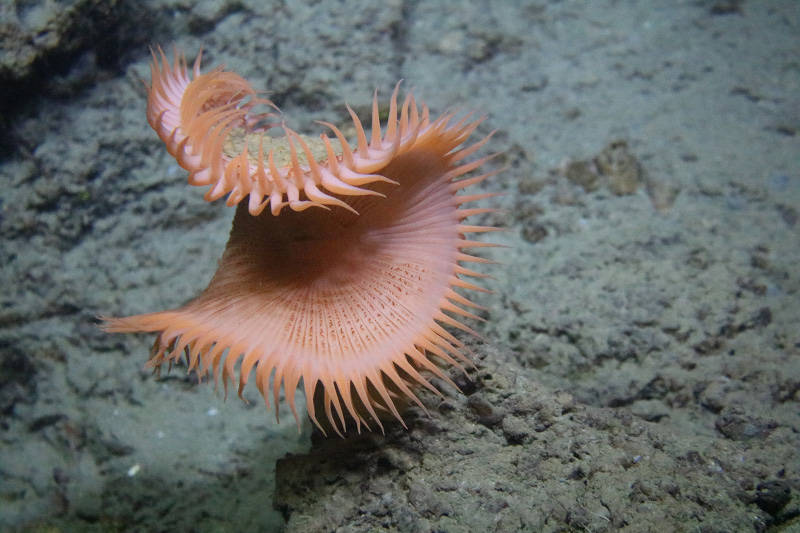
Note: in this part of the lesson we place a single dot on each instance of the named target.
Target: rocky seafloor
(640, 369)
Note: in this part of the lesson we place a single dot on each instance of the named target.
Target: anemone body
(353, 300)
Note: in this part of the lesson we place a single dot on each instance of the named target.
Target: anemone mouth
(280, 145)
(354, 300)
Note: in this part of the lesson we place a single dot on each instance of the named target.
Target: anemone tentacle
(210, 124)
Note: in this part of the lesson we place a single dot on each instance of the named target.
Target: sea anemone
(351, 298)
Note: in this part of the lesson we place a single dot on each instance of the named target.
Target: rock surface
(641, 367)
(534, 460)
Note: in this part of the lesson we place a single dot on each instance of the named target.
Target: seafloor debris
(619, 171)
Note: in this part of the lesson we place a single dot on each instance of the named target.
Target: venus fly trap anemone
(353, 298)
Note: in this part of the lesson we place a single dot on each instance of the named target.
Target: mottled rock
(620, 167)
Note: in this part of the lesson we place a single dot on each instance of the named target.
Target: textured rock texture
(512, 456)
(642, 357)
